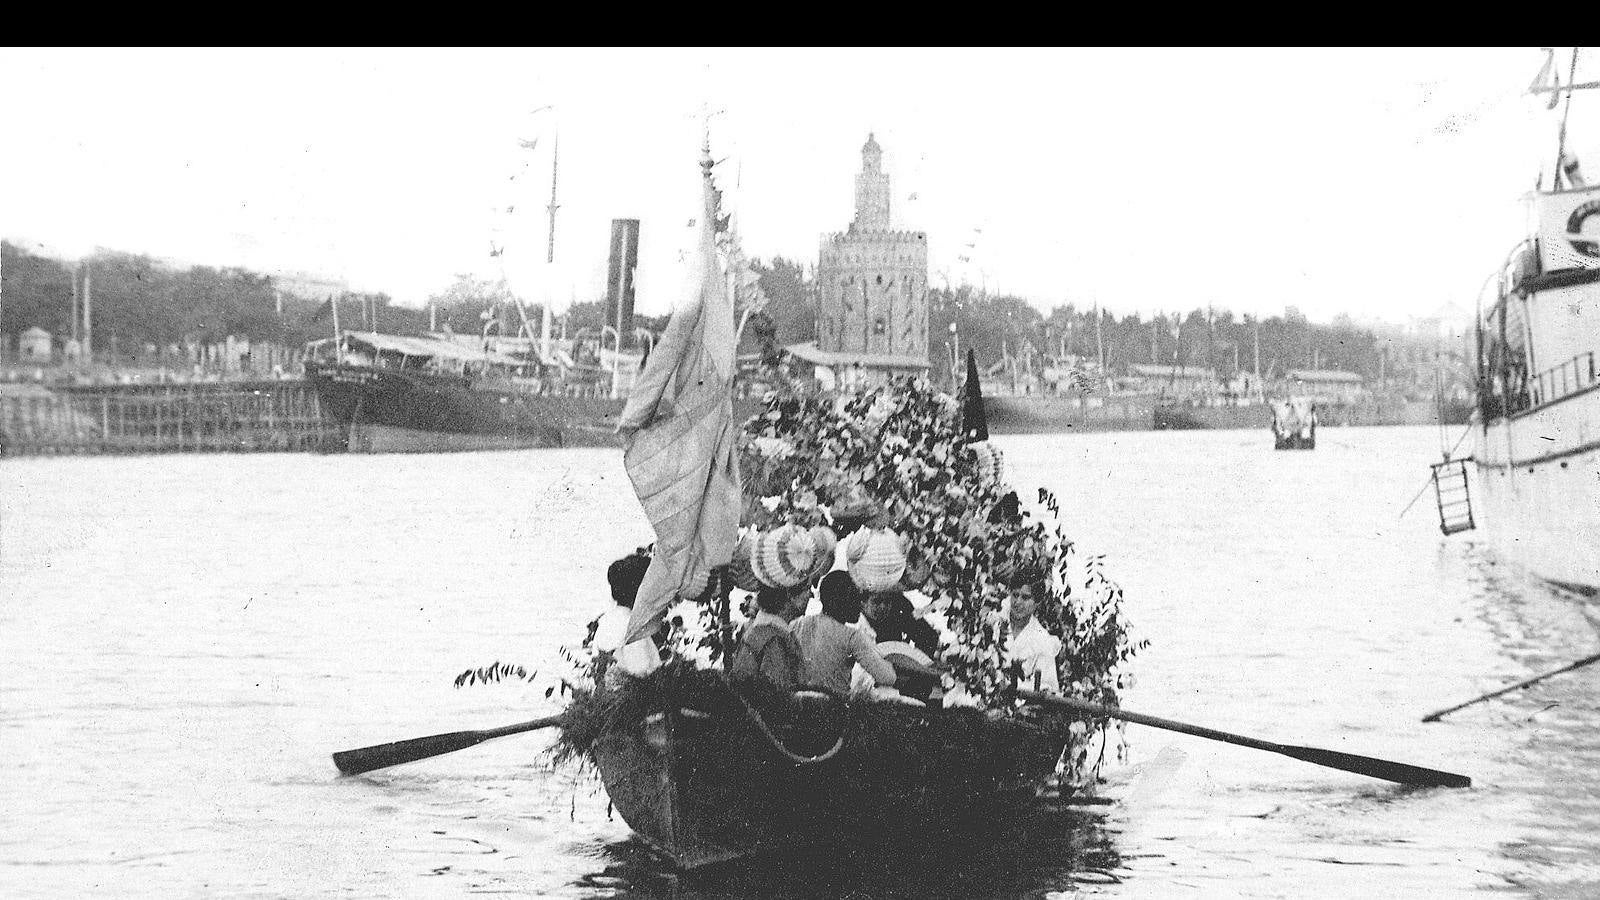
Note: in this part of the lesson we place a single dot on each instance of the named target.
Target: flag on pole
(678, 436)
(974, 421)
(1548, 81)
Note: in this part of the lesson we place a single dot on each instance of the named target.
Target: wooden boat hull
(697, 779)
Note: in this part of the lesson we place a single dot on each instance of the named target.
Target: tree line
(997, 326)
(137, 301)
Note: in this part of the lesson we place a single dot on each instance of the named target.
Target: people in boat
(641, 657)
(830, 647)
(768, 660)
(1027, 643)
(889, 616)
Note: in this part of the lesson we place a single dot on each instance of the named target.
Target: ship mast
(550, 251)
(1556, 89)
(555, 163)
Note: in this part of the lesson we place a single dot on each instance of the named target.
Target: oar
(365, 759)
(1349, 762)
(1434, 716)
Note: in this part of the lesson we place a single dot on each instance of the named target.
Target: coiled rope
(754, 715)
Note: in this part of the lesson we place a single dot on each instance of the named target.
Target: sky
(1384, 184)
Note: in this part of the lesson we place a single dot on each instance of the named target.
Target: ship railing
(1576, 374)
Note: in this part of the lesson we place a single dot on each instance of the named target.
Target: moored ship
(397, 394)
(1537, 429)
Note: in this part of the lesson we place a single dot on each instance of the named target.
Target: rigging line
(1464, 432)
(1438, 402)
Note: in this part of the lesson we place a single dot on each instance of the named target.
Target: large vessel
(398, 394)
(1537, 428)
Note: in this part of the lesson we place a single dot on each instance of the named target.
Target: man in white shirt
(641, 657)
(1029, 644)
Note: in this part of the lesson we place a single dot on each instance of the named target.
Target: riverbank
(1143, 412)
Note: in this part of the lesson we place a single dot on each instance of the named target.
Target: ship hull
(1191, 417)
(1538, 477)
(392, 411)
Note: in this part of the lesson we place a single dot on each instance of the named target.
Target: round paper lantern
(989, 462)
(876, 559)
(740, 568)
(826, 542)
(784, 556)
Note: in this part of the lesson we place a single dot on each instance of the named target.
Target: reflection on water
(184, 640)
(1050, 850)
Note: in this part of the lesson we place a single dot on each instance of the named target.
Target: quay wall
(1134, 412)
(220, 417)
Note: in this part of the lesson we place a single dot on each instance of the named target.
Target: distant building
(872, 316)
(1181, 381)
(33, 345)
(1326, 385)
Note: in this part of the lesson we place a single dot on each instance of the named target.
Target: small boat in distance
(401, 394)
(1294, 424)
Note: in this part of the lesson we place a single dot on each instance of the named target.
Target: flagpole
(338, 345)
(679, 437)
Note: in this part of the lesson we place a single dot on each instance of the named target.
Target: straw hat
(875, 558)
(785, 556)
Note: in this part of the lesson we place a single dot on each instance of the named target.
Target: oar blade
(1388, 770)
(381, 756)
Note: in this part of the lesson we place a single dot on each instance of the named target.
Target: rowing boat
(702, 776)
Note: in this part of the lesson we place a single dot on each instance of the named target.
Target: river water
(185, 639)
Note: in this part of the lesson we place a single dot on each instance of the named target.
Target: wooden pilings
(260, 417)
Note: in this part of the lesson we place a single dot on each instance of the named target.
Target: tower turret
(872, 190)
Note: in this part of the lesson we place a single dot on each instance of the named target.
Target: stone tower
(873, 280)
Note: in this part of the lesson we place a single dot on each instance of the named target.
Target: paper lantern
(988, 462)
(876, 559)
(826, 542)
(743, 575)
(784, 556)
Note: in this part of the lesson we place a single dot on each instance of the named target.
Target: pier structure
(239, 417)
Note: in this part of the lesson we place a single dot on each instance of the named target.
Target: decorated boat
(706, 770)
(702, 776)
(898, 486)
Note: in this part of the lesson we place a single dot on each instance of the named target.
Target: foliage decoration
(493, 673)
(897, 451)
